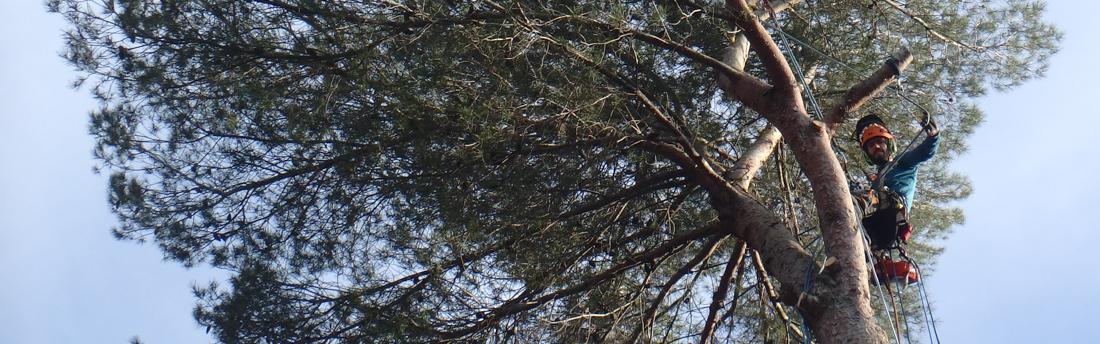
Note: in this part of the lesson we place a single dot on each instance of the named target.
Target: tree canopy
(412, 171)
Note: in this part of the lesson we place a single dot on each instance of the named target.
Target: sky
(1019, 271)
(63, 277)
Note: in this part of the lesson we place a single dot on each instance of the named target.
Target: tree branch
(524, 301)
(929, 28)
(697, 169)
(773, 296)
(760, 13)
(779, 72)
(743, 172)
(735, 262)
(744, 87)
(704, 253)
(736, 55)
(859, 94)
(655, 182)
(745, 218)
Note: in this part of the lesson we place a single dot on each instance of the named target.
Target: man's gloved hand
(931, 127)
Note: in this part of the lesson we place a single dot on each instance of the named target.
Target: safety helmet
(871, 126)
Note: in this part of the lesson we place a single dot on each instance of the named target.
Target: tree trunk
(837, 305)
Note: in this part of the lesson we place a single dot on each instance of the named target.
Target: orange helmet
(874, 130)
(871, 126)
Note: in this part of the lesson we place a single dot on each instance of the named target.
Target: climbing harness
(887, 221)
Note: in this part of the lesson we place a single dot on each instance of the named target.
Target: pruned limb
(777, 6)
(859, 94)
(737, 54)
(745, 168)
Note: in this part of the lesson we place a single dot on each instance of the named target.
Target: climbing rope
(926, 305)
(904, 317)
(894, 317)
(794, 62)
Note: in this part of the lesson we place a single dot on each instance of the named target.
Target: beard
(879, 159)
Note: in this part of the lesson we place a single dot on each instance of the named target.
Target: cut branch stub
(859, 94)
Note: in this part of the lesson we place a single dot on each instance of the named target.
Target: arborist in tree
(886, 206)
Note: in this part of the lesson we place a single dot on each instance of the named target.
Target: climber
(886, 208)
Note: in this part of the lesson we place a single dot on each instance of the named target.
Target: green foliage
(412, 171)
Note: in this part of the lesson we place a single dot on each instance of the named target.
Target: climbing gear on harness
(885, 220)
(900, 271)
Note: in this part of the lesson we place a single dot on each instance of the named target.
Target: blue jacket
(903, 177)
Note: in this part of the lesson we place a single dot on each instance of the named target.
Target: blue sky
(1019, 271)
(63, 277)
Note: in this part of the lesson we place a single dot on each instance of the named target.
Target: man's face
(878, 150)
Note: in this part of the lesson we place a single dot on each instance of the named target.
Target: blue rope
(927, 305)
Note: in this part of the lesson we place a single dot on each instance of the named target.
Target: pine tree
(578, 171)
